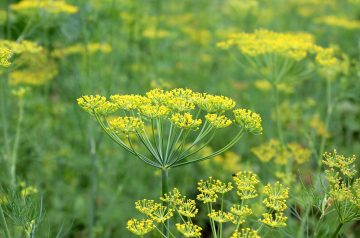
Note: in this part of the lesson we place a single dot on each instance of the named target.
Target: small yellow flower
(146, 206)
(126, 125)
(140, 227)
(245, 233)
(214, 103)
(55, 7)
(189, 230)
(276, 196)
(96, 104)
(188, 208)
(218, 121)
(5, 55)
(344, 164)
(276, 220)
(161, 213)
(240, 213)
(221, 217)
(185, 121)
(246, 184)
(128, 102)
(249, 120)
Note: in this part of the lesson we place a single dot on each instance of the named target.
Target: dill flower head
(21, 46)
(146, 206)
(188, 229)
(126, 125)
(140, 227)
(295, 46)
(5, 55)
(96, 104)
(221, 217)
(276, 196)
(344, 164)
(154, 111)
(341, 22)
(161, 213)
(214, 185)
(275, 220)
(246, 184)
(218, 121)
(299, 153)
(187, 208)
(127, 102)
(214, 103)
(173, 197)
(185, 121)
(249, 120)
(240, 213)
(55, 7)
(245, 233)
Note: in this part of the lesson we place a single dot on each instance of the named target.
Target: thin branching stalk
(3, 223)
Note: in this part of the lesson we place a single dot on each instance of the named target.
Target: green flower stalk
(172, 127)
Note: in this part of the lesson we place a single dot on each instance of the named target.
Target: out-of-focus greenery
(82, 185)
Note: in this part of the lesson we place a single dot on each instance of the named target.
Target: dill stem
(277, 111)
(3, 223)
(165, 190)
(329, 107)
(14, 154)
(338, 228)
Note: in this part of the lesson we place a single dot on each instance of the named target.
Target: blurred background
(84, 185)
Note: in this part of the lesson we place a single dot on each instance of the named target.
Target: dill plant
(279, 57)
(172, 126)
(237, 215)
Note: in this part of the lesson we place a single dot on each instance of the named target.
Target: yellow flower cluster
(273, 150)
(187, 208)
(218, 121)
(90, 48)
(215, 103)
(154, 211)
(295, 46)
(96, 104)
(210, 188)
(209, 191)
(276, 202)
(188, 229)
(176, 106)
(245, 233)
(339, 173)
(185, 121)
(339, 22)
(249, 120)
(319, 126)
(55, 7)
(240, 213)
(21, 47)
(221, 216)
(5, 55)
(126, 125)
(140, 227)
(246, 182)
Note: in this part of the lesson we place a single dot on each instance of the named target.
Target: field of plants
(168, 119)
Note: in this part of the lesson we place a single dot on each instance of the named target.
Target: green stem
(3, 223)
(16, 144)
(329, 107)
(277, 111)
(337, 230)
(165, 190)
